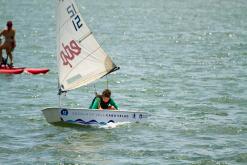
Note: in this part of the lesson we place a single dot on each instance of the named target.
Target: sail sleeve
(81, 60)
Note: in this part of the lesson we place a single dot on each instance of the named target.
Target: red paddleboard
(7, 70)
(36, 70)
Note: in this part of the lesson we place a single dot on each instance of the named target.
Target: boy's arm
(112, 102)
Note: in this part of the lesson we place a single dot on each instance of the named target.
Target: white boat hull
(91, 117)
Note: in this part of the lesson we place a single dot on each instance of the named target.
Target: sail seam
(80, 40)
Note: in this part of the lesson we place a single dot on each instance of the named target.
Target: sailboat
(81, 61)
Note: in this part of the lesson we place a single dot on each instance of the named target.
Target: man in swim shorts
(9, 43)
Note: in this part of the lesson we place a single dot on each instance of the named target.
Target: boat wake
(112, 125)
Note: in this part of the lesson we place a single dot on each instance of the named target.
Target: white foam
(113, 125)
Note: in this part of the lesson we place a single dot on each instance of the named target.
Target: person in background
(9, 43)
(104, 101)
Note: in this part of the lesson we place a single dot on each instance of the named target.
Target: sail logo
(64, 112)
(69, 52)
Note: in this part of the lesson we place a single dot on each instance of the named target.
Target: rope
(107, 83)
(95, 91)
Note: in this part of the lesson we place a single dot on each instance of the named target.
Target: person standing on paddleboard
(9, 43)
(104, 101)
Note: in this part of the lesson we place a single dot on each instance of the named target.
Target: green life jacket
(103, 105)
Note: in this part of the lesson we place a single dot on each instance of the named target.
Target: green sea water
(185, 62)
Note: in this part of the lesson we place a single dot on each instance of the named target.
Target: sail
(80, 58)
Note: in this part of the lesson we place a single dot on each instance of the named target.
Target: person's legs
(8, 48)
(9, 53)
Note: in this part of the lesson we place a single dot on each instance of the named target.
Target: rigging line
(89, 54)
(100, 46)
(107, 83)
(92, 52)
(83, 38)
(95, 91)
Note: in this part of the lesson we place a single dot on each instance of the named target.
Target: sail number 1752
(76, 20)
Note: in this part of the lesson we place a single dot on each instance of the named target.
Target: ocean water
(185, 62)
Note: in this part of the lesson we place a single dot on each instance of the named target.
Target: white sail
(81, 60)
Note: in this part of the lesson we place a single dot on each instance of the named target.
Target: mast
(57, 38)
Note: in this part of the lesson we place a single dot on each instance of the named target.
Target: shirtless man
(9, 43)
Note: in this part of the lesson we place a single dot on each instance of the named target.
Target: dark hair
(9, 24)
(106, 93)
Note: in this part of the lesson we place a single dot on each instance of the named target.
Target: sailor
(104, 101)
(9, 43)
